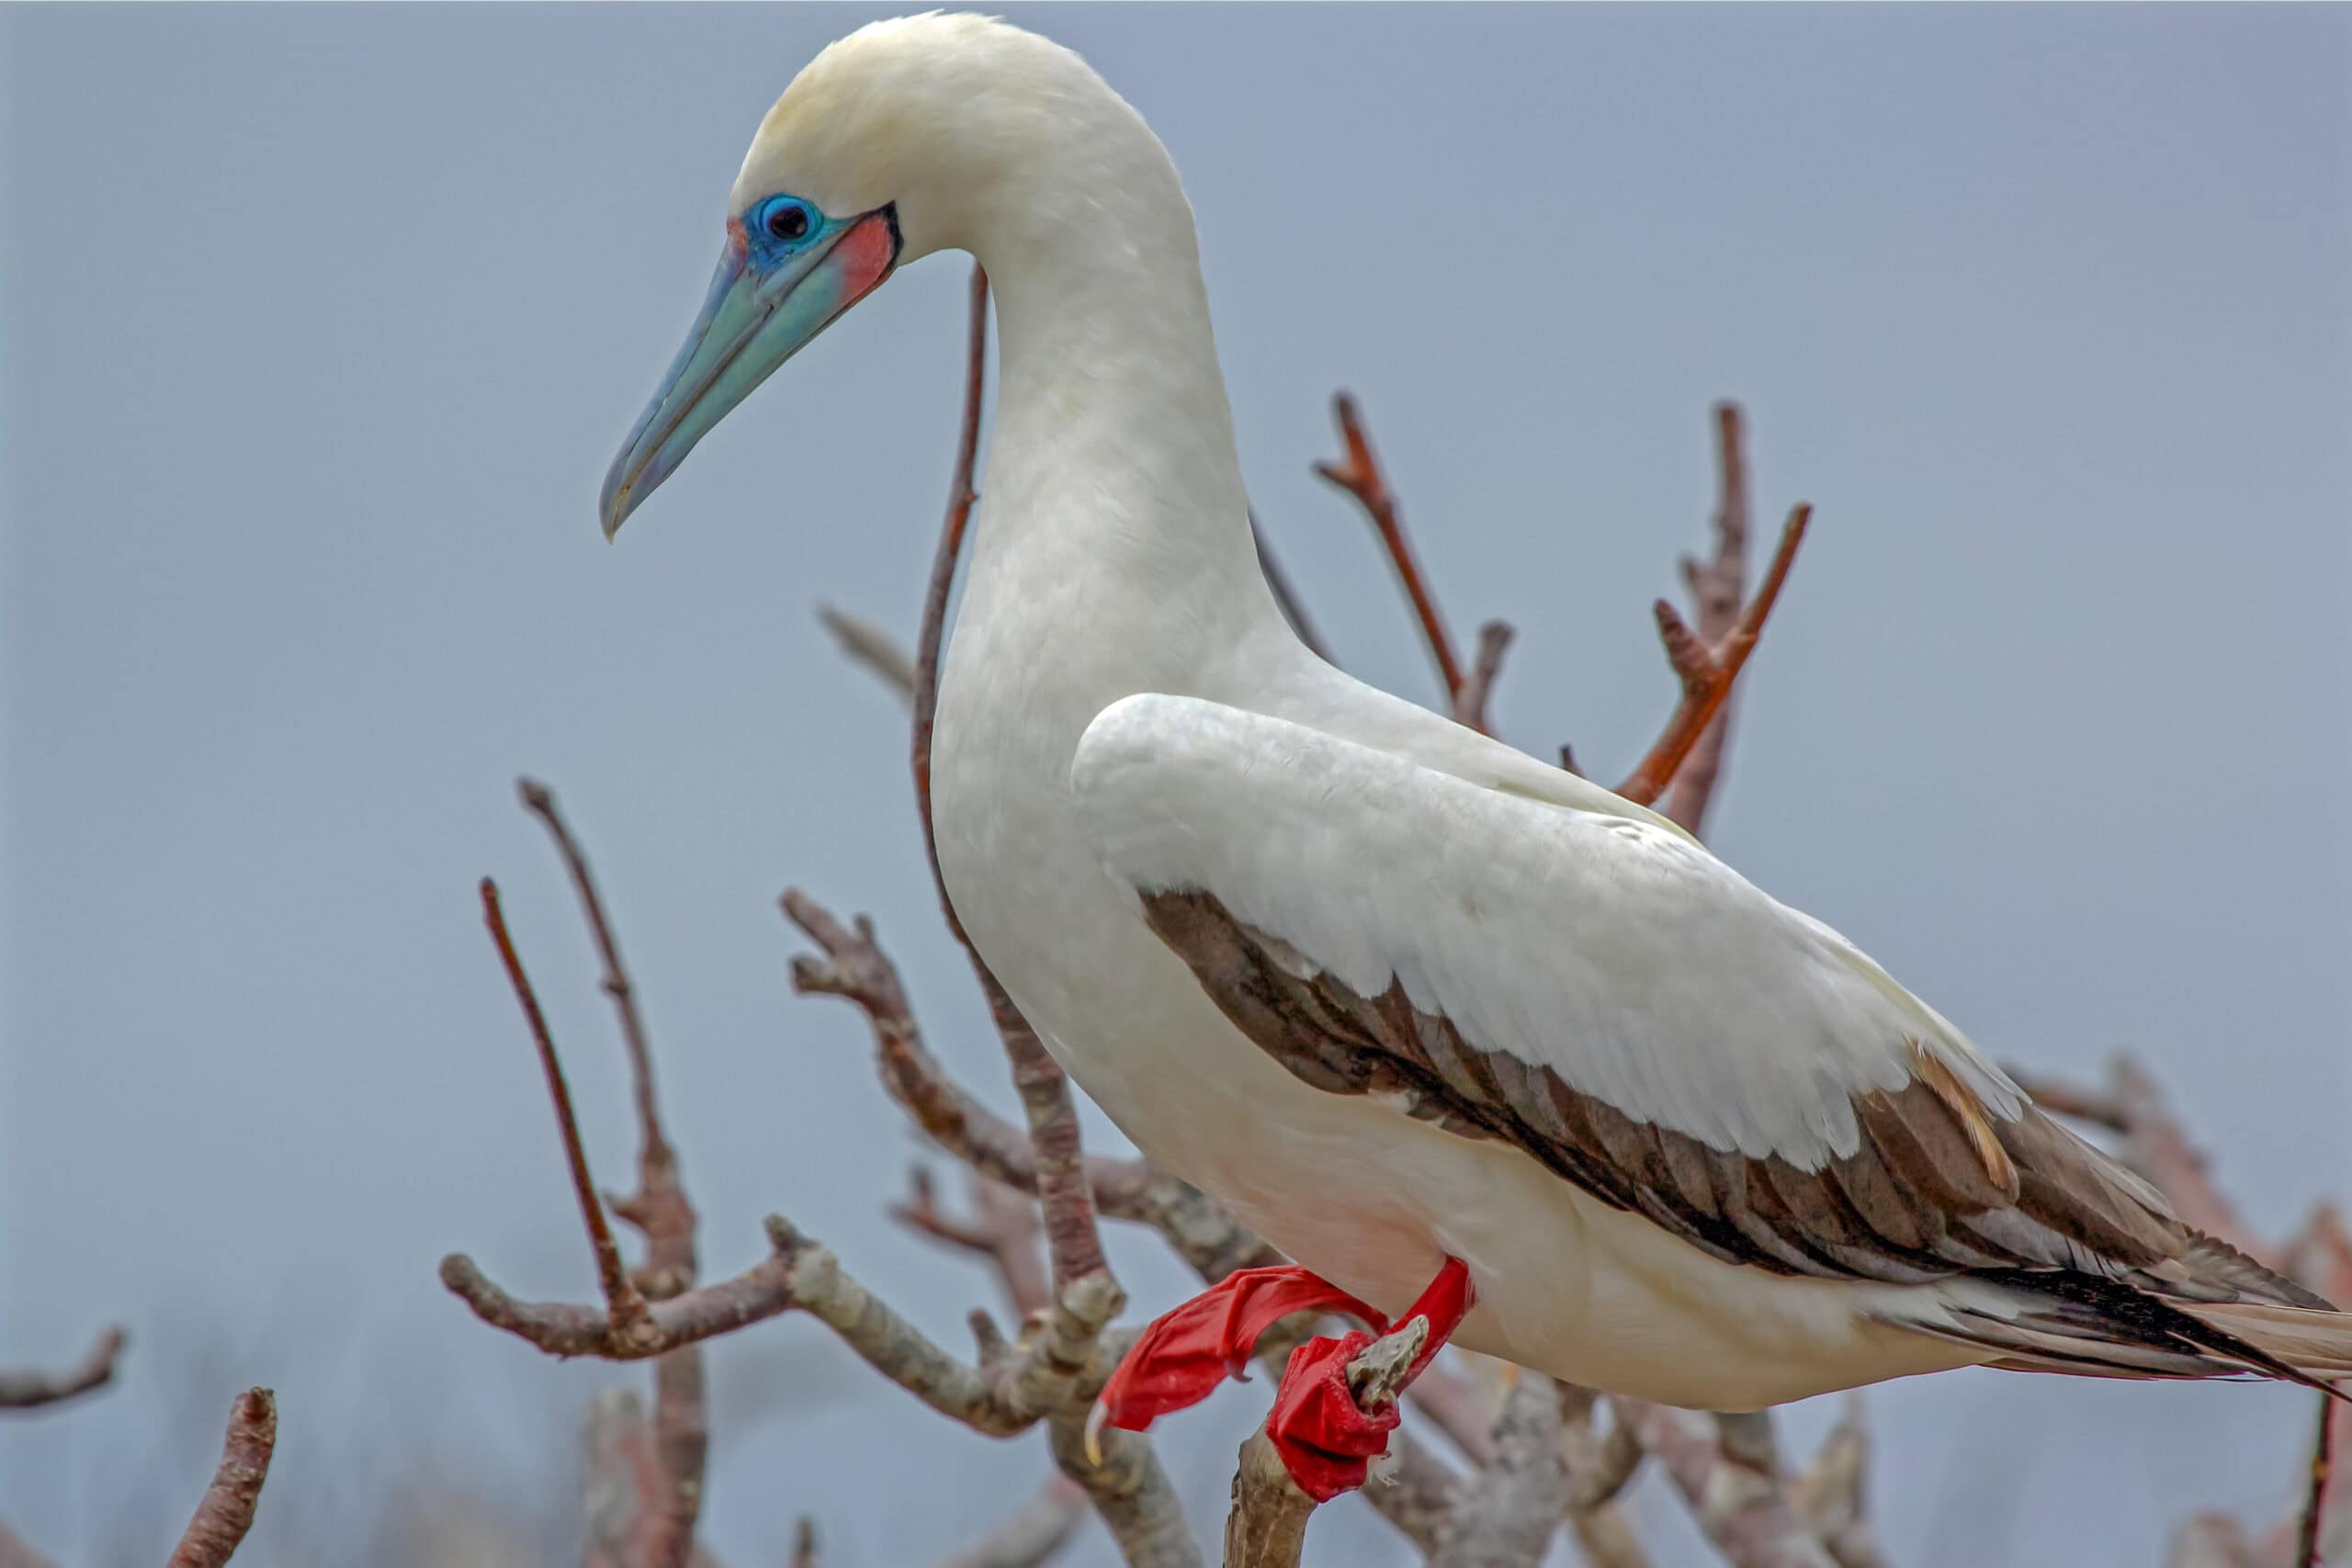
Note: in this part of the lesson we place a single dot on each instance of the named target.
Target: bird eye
(789, 221)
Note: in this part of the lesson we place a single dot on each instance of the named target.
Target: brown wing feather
(1940, 1185)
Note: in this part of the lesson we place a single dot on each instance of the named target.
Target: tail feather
(2314, 1341)
(2052, 1322)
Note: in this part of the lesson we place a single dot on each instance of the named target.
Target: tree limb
(31, 1389)
(1358, 474)
(1716, 586)
(1708, 670)
(226, 1510)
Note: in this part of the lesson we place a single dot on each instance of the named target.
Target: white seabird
(1392, 991)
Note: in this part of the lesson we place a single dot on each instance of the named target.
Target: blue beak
(752, 322)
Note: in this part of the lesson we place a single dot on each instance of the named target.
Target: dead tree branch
(1508, 1512)
(31, 1389)
(869, 645)
(1358, 473)
(226, 1511)
(1708, 670)
(661, 1213)
(1477, 691)
(1004, 1228)
(1716, 586)
(1031, 1536)
(625, 1306)
(1286, 597)
(1745, 1511)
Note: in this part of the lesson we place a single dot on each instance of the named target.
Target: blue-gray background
(321, 325)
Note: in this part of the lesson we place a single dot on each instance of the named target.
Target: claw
(1094, 1419)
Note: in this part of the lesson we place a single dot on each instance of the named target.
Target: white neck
(1111, 473)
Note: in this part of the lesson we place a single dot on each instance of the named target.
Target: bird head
(902, 139)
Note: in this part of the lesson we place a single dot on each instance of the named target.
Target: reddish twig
(933, 634)
(226, 1510)
(1470, 702)
(1358, 474)
(1286, 597)
(1003, 1229)
(1717, 586)
(29, 1390)
(661, 1212)
(1707, 671)
(625, 1306)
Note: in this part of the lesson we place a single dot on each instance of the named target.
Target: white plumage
(1694, 1144)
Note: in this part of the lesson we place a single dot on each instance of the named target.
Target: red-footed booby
(1430, 1014)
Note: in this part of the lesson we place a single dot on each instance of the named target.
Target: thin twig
(1286, 597)
(1716, 589)
(625, 1306)
(804, 1542)
(226, 1511)
(29, 1389)
(1745, 1513)
(933, 633)
(869, 645)
(1004, 1229)
(661, 1212)
(1358, 474)
(2314, 1511)
(1031, 1536)
(1708, 672)
(1470, 702)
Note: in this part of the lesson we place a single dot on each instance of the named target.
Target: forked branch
(1358, 473)
(1707, 671)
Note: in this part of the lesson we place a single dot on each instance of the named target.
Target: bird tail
(2316, 1342)
(2035, 1320)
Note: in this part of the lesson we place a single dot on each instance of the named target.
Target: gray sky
(321, 325)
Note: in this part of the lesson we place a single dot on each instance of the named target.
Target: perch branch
(1707, 671)
(29, 1390)
(1832, 1494)
(1358, 474)
(226, 1511)
(1716, 586)
(1267, 1525)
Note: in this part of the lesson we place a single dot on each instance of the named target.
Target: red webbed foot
(1326, 1438)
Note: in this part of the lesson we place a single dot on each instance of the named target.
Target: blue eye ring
(782, 223)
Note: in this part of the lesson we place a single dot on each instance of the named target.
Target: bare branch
(1745, 1513)
(226, 1511)
(1708, 672)
(1466, 1415)
(15, 1554)
(1470, 702)
(1832, 1493)
(869, 645)
(30, 1391)
(2155, 1144)
(1285, 596)
(933, 632)
(1716, 588)
(662, 1215)
(1509, 1513)
(625, 1307)
(1004, 1229)
(1031, 1536)
(1358, 474)
(804, 1542)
